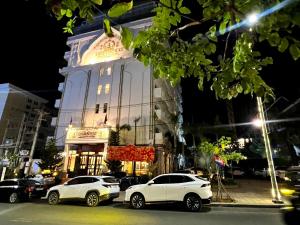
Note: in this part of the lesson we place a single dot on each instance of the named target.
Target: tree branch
(195, 23)
(175, 11)
(226, 44)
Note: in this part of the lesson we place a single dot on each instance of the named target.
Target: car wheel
(53, 198)
(193, 203)
(137, 201)
(13, 198)
(92, 199)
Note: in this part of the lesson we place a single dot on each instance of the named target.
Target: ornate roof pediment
(105, 49)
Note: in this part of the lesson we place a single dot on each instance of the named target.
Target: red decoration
(131, 153)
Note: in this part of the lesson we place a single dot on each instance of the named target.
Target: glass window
(85, 180)
(108, 70)
(8, 183)
(161, 180)
(97, 108)
(73, 181)
(110, 180)
(176, 179)
(107, 88)
(105, 108)
(99, 89)
(101, 71)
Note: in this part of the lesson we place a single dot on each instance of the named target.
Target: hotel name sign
(93, 135)
(103, 50)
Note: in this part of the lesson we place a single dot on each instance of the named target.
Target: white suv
(92, 189)
(190, 189)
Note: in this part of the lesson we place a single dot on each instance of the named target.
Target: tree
(114, 165)
(50, 157)
(212, 40)
(222, 149)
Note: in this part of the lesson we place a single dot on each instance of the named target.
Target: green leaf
(284, 44)
(120, 8)
(274, 39)
(295, 52)
(184, 10)
(127, 37)
(107, 28)
(69, 13)
(179, 4)
(222, 28)
(166, 2)
(63, 11)
(98, 2)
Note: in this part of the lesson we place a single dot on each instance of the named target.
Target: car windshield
(110, 180)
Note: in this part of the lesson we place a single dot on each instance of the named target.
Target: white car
(190, 189)
(91, 189)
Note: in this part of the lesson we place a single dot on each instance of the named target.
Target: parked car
(15, 190)
(236, 171)
(91, 189)
(190, 189)
(128, 181)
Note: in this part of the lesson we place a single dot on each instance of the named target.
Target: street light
(275, 191)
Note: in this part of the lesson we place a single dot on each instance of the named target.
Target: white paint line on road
(12, 209)
(245, 212)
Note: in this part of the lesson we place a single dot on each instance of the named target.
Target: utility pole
(134, 163)
(41, 114)
(21, 130)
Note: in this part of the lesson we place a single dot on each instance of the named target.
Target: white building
(19, 113)
(106, 87)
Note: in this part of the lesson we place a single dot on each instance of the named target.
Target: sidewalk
(248, 193)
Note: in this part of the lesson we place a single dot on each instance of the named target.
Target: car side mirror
(150, 182)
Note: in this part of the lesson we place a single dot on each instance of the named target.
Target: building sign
(24, 152)
(105, 49)
(87, 135)
(131, 153)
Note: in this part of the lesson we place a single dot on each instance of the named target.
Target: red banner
(131, 153)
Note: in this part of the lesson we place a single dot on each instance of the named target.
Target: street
(40, 213)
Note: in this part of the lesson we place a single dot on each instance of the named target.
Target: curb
(220, 204)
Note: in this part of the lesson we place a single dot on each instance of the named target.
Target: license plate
(39, 189)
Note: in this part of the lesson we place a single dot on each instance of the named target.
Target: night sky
(36, 44)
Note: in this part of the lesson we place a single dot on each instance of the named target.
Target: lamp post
(134, 163)
(275, 191)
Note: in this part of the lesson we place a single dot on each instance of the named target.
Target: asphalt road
(40, 213)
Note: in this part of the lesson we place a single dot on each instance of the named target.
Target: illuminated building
(106, 87)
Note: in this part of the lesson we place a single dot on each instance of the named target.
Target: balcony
(159, 138)
(67, 55)
(53, 121)
(158, 93)
(57, 103)
(61, 87)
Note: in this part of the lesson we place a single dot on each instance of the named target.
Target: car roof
(182, 174)
(96, 176)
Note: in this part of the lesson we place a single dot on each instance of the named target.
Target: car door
(156, 192)
(70, 189)
(177, 187)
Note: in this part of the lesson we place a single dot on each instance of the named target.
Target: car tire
(53, 198)
(137, 201)
(192, 203)
(13, 198)
(92, 199)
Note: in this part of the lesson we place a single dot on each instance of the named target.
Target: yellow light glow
(286, 191)
(46, 171)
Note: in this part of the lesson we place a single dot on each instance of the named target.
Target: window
(36, 103)
(101, 71)
(29, 100)
(105, 108)
(108, 70)
(99, 89)
(176, 179)
(107, 88)
(97, 108)
(85, 180)
(8, 183)
(110, 180)
(74, 181)
(162, 180)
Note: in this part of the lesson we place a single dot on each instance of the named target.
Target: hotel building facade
(106, 87)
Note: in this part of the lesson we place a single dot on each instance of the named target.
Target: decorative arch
(105, 49)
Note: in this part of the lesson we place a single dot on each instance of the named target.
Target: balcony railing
(57, 103)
